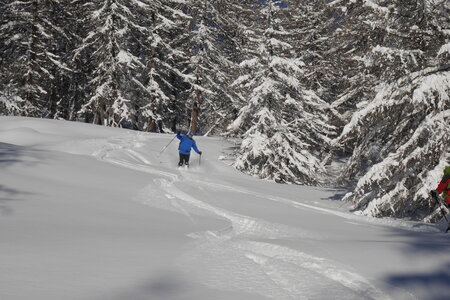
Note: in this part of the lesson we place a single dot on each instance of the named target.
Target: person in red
(444, 187)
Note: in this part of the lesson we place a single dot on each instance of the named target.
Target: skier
(186, 143)
(444, 187)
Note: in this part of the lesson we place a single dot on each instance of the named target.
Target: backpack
(447, 171)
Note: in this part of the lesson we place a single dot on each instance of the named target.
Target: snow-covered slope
(89, 212)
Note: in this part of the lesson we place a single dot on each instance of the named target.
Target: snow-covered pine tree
(32, 62)
(207, 65)
(282, 125)
(359, 28)
(400, 138)
(313, 25)
(72, 89)
(164, 82)
(111, 24)
(129, 83)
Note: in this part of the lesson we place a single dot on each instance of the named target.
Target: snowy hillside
(90, 212)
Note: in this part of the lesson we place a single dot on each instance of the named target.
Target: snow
(375, 6)
(444, 49)
(437, 84)
(90, 212)
(290, 64)
(10, 102)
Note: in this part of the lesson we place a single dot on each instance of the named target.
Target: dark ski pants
(184, 160)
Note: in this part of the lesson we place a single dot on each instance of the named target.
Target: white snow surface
(90, 212)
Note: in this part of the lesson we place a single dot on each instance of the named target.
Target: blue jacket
(186, 144)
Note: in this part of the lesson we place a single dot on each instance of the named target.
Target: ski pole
(199, 159)
(445, 216)
(167, 145)
(443, 211)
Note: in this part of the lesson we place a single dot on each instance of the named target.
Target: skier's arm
(194, 146)
(179, 136)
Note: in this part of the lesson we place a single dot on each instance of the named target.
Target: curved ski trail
(244, 255)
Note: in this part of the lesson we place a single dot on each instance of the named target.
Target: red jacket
(444, 188)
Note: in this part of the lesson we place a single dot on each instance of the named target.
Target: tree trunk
(196, 111)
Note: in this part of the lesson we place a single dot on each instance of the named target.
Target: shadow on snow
(433, 285)
(10, 155)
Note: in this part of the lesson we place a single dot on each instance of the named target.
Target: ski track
(240, 252)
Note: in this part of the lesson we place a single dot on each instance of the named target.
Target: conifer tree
(105, 47)
(32, 63)
(208, 63)
(281, 124)
(313, 25)
(68, 92)
(130, 58)
(399, 137)
(164, 81)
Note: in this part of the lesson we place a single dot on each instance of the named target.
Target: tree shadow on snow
(433, 285)
(8, 195)
(174, 286)
(337, 195)
(162, 286)
(13, 154)
(426, 242)
(10, 155)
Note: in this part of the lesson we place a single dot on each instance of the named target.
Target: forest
(350, 94)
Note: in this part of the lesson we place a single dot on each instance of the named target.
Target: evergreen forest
(350, 94)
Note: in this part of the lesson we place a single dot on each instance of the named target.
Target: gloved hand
(200, 152)
(434, 193)
(178, 131)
